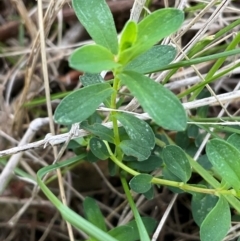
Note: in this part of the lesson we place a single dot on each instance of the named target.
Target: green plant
(131, 148)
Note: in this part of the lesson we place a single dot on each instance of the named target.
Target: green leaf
(152, 29)
(171, 177)
(217, 223)
(76, 143)
(112, 168)
(90, 79)
(91, 157)
(93, 213)
(123, 233)
(138, 130)
(141, 183)
(225, 159)
(158, 25)
(204, 162)
(149, 223)
(131, 148)
(128, 35)
(94, 118)
(68, 214)
(80, 104)
(160, 103)
(182, 139)
(234, 140)
(98, 148)
(177, 162)
(96, 17)
(149, 194)
(92, 59)
(99, 130)
(150, 61)
(199, 139)
(201, 205)
(152, 163)
(192, 131)
(203, 110)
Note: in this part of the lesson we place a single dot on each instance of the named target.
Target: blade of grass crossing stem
(217, 65)
(187, 63)
(141, 228)
(219, 34)
(69, 215)
(202, 84)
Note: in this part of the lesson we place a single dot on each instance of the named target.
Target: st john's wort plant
(134, 149)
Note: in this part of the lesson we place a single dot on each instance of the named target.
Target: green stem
(141, 228)
(217, 65)
(210, 80)
(214, 119)
(183, 186)
(218, 35)
(117, 157)
(114, 119)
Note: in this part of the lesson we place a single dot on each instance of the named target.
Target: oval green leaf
(138, 130)
(92, 59)
(160, 103)
(90, 79)
(96, 17)
(158, 25)
(98, 148)
(171, 177)
(80, 104)
(149, 223)
(217, 223)
(131, 148)
(149, 194)
(91, 157)
(152, 29)
(93, 213)
(123, 232)
(152, 163)
(201, 205)
(177, 162)
(99, 130)
(141, 183)
(150, 61)
(234, 140)
(225, 159)
(128, 35)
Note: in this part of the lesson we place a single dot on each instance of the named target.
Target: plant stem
(118, 152)
(141, 228)
(217, 65)
(181, 185)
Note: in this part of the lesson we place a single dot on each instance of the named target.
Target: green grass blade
(68, 214)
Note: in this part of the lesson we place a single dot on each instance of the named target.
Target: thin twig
(8, 170)
(58, 139)
(164, 217)
(137, 9)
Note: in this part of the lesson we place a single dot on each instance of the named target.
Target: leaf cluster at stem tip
(129, 59)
